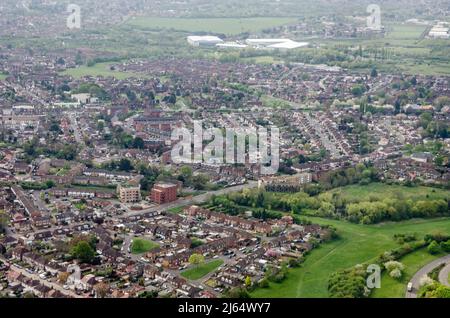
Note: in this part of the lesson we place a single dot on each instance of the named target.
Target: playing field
(141, 246)
(229, 26)
(358, 244)
(202, 270)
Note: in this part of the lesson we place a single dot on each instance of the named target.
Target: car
(66, 287)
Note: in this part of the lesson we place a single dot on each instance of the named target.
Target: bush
(434, 248)
(445, 246)
(396, 273)
(264, 283)
(393, 265)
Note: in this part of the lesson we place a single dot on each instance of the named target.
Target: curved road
(424, 271)
(444, 276)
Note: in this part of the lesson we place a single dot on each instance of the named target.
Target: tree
(196, 259)
(446, 246)
(199, 181)
(3, 222)
(374, 73)
(433, 248)
(83, 252)
(238, 293)
(101, 290)
(186, 172)
(396, 273)
(63, 277)
(125, 165)
(248, 281)
(138, 143)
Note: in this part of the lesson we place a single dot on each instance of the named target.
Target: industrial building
(282, 44)
(439, 31)
(204, 41)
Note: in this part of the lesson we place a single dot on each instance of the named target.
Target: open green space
(405, 31)
(392, 288)
(357, 244)
(176, 210)
(201, 270)
(230, 26)
(382, 191)
(99, 69)
(3, 76)
(140, 246)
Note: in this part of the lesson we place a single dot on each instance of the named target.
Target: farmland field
(229, 26)
(357, 244)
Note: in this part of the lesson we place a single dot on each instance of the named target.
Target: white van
(410, 287)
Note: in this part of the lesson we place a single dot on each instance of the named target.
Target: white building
(440, 31)
(285, 44)
(207, 40)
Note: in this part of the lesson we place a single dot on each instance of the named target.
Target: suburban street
(42, 281)
(424, 271)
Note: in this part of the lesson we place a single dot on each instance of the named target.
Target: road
(193, 200)
(179, 203)
(76, 128)
(54, 286)
(424, 271)
(444, 276)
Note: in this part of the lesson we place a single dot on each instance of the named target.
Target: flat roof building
(164, 193)
(129, 194)
(207, 40)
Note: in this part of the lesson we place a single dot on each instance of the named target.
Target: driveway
(424, 271)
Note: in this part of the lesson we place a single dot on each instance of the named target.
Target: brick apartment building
(164, 193)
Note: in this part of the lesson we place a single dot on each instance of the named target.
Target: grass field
(230, 26)
(141, 246)
(100, 69)
(357, 244)
(3, 76)
(202, 270)
(177, 210)
(406, 32)
(381, 191)
(392, 288)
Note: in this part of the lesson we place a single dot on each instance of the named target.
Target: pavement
(424, 271)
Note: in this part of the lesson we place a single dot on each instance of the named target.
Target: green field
(202, 270)
(230, 26)
(3, 76)
(392, 288)
(382, 191)
(100, 69)
(357, 244)
(141, 246)
(406, 32)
